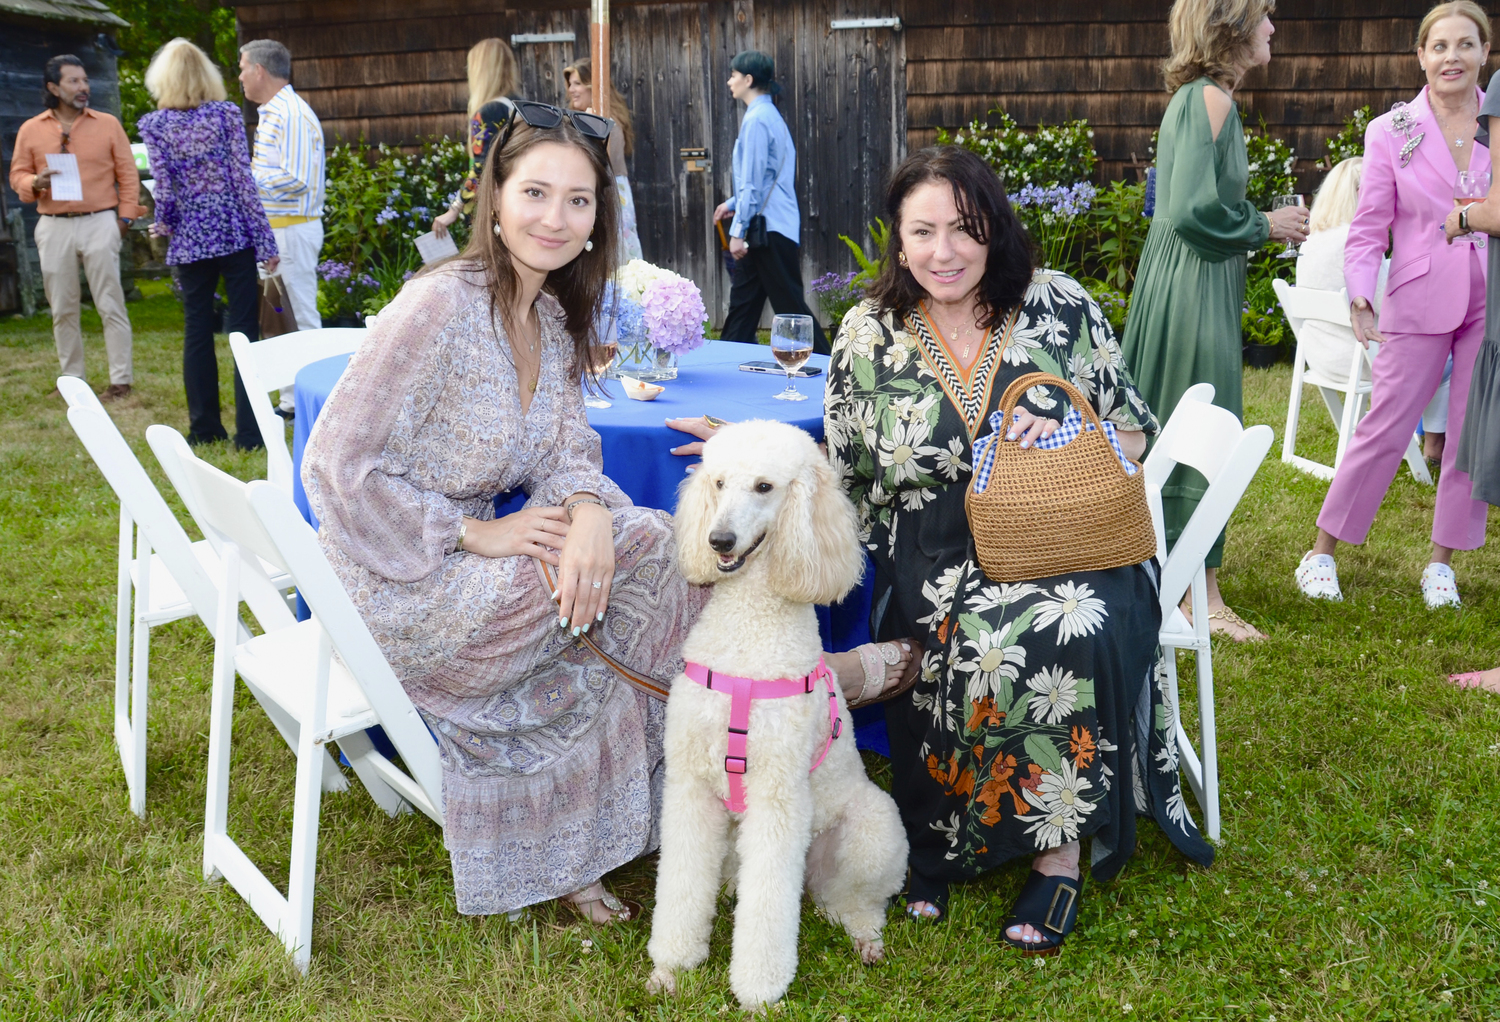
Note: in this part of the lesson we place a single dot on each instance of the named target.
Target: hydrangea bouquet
(670, 321)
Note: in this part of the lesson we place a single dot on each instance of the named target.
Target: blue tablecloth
(637, 453)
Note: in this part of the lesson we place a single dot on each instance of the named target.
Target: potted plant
(1263, 328)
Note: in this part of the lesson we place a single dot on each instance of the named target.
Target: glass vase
(640, 361)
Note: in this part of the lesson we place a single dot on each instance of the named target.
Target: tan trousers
(95, 239)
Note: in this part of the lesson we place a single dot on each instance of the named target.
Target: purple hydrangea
(674, 315)
(630, 317)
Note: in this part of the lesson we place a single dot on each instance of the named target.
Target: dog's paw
(870, 951)
(662, 981)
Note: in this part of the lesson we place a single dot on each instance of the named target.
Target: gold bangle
(463, 528)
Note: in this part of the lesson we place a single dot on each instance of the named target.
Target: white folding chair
(292, 668)
(167, 577)
(1210, 439)
(272, 365)
(1345, 398)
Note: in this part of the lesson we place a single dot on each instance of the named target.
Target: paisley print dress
(1039, 717)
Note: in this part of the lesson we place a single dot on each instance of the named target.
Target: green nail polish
(599, 616)
(586, 628)
(576, 630)
(562, 622)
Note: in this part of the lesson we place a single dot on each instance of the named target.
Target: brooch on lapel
(1403, 121)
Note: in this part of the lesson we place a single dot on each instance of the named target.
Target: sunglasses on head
(545, 115)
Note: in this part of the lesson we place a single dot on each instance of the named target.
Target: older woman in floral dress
(1039, 718)
(208, 206)
(469, 386)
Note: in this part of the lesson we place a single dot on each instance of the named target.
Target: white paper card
(67, 186)
(433, 248)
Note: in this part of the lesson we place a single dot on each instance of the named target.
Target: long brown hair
(578, 286)
(617, 108)
(987, 217)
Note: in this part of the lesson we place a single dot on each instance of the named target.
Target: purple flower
(386, 215)
(331, 269)
(369, 281)
(674, 315)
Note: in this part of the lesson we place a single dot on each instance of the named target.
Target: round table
(637, 448)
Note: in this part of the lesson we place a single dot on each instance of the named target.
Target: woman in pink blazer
(1434, 301)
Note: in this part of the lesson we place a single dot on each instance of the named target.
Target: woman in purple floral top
(207, 204)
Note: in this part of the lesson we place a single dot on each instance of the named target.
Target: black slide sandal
(934, 892)
(1048, 905)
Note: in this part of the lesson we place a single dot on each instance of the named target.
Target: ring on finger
(598, 585)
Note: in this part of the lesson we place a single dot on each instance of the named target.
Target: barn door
(845, 102)
(660, 56)
(544, 44)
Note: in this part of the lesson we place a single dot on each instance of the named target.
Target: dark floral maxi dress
(1040, 715)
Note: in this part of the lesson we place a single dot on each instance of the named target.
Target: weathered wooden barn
(31, 31)
(865, 81)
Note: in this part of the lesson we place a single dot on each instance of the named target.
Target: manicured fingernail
(562, 622)
(587, 627)
(1025, 443)
(599, 616)
(554, 594)
(1010, 436)
(576, 630)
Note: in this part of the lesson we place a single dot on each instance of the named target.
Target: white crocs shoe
(1318, 578)
(1440, 587)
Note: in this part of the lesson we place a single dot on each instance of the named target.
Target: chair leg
(1208, 752)
(1417, 462)
(221, 717)
(1293, 410)
(356, 747)
(135, 773)
(124, 615)
(296, 931)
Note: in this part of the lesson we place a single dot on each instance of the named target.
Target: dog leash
(744, 691)
(644, 683)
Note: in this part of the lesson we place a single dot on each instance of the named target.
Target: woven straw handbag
(1045, 513)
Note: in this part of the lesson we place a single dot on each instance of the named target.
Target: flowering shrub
(1117, 228)
(1271, 162)
(1350, 141)
(1049, 155)
(378, 201)
(1053, 214)
(837, 293)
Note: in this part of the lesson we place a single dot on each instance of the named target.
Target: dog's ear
(697, 501)
(815, 547)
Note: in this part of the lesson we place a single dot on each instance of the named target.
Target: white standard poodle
(764, 521)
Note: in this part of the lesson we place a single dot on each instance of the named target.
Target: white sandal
(875, 657)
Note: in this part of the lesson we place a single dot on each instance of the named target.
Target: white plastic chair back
(293, 670)
(1210, 439)
(273, 364)
(1345, 398)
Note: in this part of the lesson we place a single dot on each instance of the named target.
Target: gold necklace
(958, 334)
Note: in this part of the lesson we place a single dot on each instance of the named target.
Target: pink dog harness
(742, 692)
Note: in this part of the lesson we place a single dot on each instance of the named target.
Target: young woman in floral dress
(1020, 738)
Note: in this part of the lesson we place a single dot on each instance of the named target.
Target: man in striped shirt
(288, 170)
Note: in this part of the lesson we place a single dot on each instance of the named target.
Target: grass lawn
(1358, 878)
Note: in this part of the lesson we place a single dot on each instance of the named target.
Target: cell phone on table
(776, 370)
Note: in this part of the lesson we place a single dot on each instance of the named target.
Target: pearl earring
(588, 246)
(497, 228)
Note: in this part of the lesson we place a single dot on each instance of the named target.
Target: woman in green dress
(1039, 716)
(1184, 322)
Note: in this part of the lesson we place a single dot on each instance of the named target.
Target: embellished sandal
(875, 657)
(1232, 621)
(1440, 587)
(1049, 905)
(933, 892)
(580, 899)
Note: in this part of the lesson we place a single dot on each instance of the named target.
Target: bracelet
(584, 500)
(463, 528)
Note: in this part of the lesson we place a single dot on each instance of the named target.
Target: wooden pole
(599, 50)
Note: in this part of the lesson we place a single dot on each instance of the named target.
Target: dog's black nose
(721, 541)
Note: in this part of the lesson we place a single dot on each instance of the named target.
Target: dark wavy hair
(52, 72)
(986, 215)
(578, 286)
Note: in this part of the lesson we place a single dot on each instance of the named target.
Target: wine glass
(791, 343)
(1472, 186)
(1282, 202)
(601, 359)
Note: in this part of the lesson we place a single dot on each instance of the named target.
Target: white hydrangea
(633, 277)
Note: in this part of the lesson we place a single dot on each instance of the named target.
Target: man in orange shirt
(90, 229)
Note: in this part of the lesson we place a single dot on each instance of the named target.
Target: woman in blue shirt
(765, 165)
